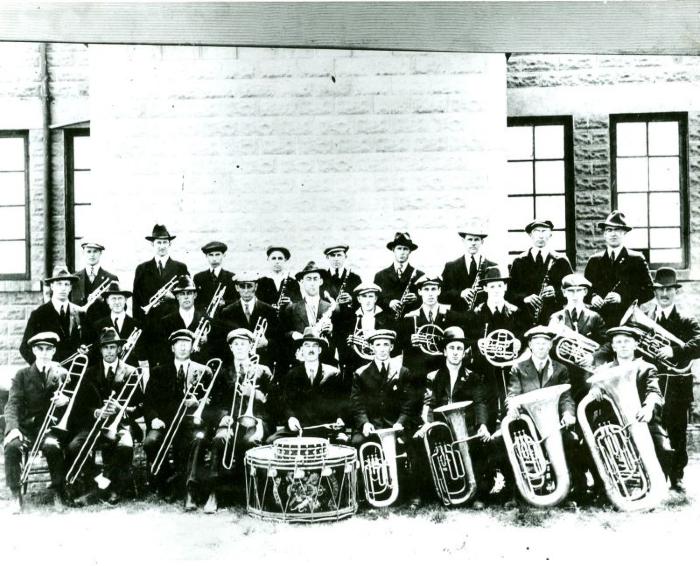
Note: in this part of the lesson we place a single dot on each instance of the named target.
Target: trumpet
(541, 474)
(429, 338)
(160, 295)
(130, 344)
(204, 325)
(96, 294)
(573, 348)
(623, 451)
(379, 469)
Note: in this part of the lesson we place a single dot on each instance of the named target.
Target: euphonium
(537, 454)
(160, 294)
(623, 451)
(446, 444)
(379, 469)
(573, 348)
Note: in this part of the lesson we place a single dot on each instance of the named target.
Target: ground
(157, 533)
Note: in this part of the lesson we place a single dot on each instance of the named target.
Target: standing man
(338, 280)
(677, 388)
(618, 275)
(153, 274)
(398, 281)
(279, 288)
(89, 279)
(459, 275)
(208, 280)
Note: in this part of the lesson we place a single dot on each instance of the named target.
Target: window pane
(549, 142)
(82, 155)
(664, 209)
(635, 208)
(637, 239)
(519, 178)
(551, 208)
(632, 174)
(632, 138)
(665, 237)
(82, 219)
(665, 256)
(520, 142)
(663, 138)
(519, 241)
(12, 223)
(558, 241)
(521, 212)
(663, 174)
(549, 177)
(12, 189)
(11, 154)
(82, 189)
(13, 256)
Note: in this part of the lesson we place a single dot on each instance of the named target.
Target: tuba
(623, 451)
(537, 454)
(448, 455)
(655, 337)
(379, 469)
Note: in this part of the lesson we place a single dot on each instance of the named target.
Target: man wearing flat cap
(617, 274)
(152, 275)
(89, 279)
(338, 280)
(398, 281)
(208, 281)
(458, 275)
(278, 288)
(59, 315)
(677, 388)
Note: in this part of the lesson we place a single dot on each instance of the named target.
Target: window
(78, 190)
(540, 180)
(649, 183)
(14, 211)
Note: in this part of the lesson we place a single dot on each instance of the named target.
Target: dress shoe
(478, 505)
(58, 504)
(511, 503)
(211, 505)
(113, 498)
(415, 502)
(85, 499)
(570, 505)
(190, 505)
(677, 485)
(16, 505)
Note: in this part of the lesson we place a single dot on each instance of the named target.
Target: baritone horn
(622, 447)
(536, 452)
(379, 468)
(446, 444)
(573, 348)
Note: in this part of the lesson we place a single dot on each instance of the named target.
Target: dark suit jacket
(524, 378)
(147, 282)
(348, 281)
(159, 333)
(629, 276)
(270, 294)
(526, 279)
(30, 397)
(206, 285)
(469, 386)
(45, 318)
(345, 324)
(233, 317)
(81, 291)
(140, 351)
(393, 287)
(455, 279)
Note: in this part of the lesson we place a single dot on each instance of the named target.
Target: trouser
(117, 458)
(224, 462)
(53, 452)
(675, 420)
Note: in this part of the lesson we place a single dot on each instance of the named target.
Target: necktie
(213, 274)
(160, 269)
(539, 261)
(384, 372)
(430, 316)
(246, 311)
(92, 274)
(399, 272)
(64, 321)
(472, 267)
(574, 315)
(110, 374)
(43, 376)
(181, 377)
(241, 370)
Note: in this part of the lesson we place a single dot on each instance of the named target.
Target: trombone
(204, 325)
(160, 295)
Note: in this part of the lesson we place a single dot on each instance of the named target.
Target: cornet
(130, 344)
(160, 295)
(204, 326)
(96, 294)
(379, 469)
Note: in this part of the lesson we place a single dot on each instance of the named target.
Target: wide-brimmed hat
(285, 251)
(427, 279)
(109, 335)
(575, 280)
(666, 277)
(240, 333)
(61, 273)
(615, 219)
(184, 283)
(472, 230)
(539, 223)
(541, 332)
(159, 232)
(92, 244)
(45, 338)
(310, 336)
(246, 277)
(453, 334)
(364, 288)
(630, 331)
(182, 334)
(337, 248)
(494, 273)
(402, 239)
(382, 333)
(214, 247)
(310, 267)
(114, 289)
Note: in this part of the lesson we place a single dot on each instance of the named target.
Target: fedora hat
(109, 336)
(402, 239)
(114, 289)
(472, 230)
(615, 219)
(494, 273)
(61, 273)
(159, 232)
(310, 267)
(310, 336)
(666, 277)
(184, 283)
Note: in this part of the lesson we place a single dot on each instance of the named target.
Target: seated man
(32, 392)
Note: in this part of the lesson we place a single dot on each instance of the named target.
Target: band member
(618, 275)
(459, 275)
(208, 281)
(338, 280)
(311, 394)
(30, 396)
(59, 315)
(454, 382)
(169, 386)
(535, 276)
(677, 388)
(152, 275)
(89, 279)
(279, 288)
(398, 281)
(537, 372)
(385, 396)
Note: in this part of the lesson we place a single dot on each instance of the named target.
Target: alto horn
(379, 469)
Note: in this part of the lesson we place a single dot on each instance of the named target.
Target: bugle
(379, 468)
(160, 295)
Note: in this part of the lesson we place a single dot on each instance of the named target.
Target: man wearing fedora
(536, 274)
(59, 315)
(278, 288)
(208, 281)
(618, 275)
(398, 281)
(150, 276)
(458, 275)
(90, 278)
(338, 280)
(677, 388)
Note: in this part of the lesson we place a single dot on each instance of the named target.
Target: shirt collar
(468, 259)
(402, 267)
(666, 311)
(58, 305)
(120, 317)
(217, 271)
(539, 365)
(250, 303)
(95, 267)
(163, 260)
(617, 251)
(545, 252)
(113, 365)
(182, 364)
(379, 364)
(316, 299)
(493, 307)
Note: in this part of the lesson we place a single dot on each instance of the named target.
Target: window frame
(69, 136)
(569, 181)
(683, 173)
(24, 134)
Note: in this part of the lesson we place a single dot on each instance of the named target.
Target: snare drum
(301, 480)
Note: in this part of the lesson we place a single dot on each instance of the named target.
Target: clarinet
(278, 305)
(545, 282)
(475, 287)
(402, 300)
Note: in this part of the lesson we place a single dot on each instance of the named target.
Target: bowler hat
(615, 219)
(402, 239)
(159, 232)
(453, 334)
(666, 277)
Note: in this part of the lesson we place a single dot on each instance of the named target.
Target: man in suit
(398, 281)
(169, 386)
(150, 276)
(536, 274)
(279, 288)
(89, 279)
(59, 315)
(208, 281)
(677, 387)
(338, 280)
(458, 275)
(618, 275)
(32, 390)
